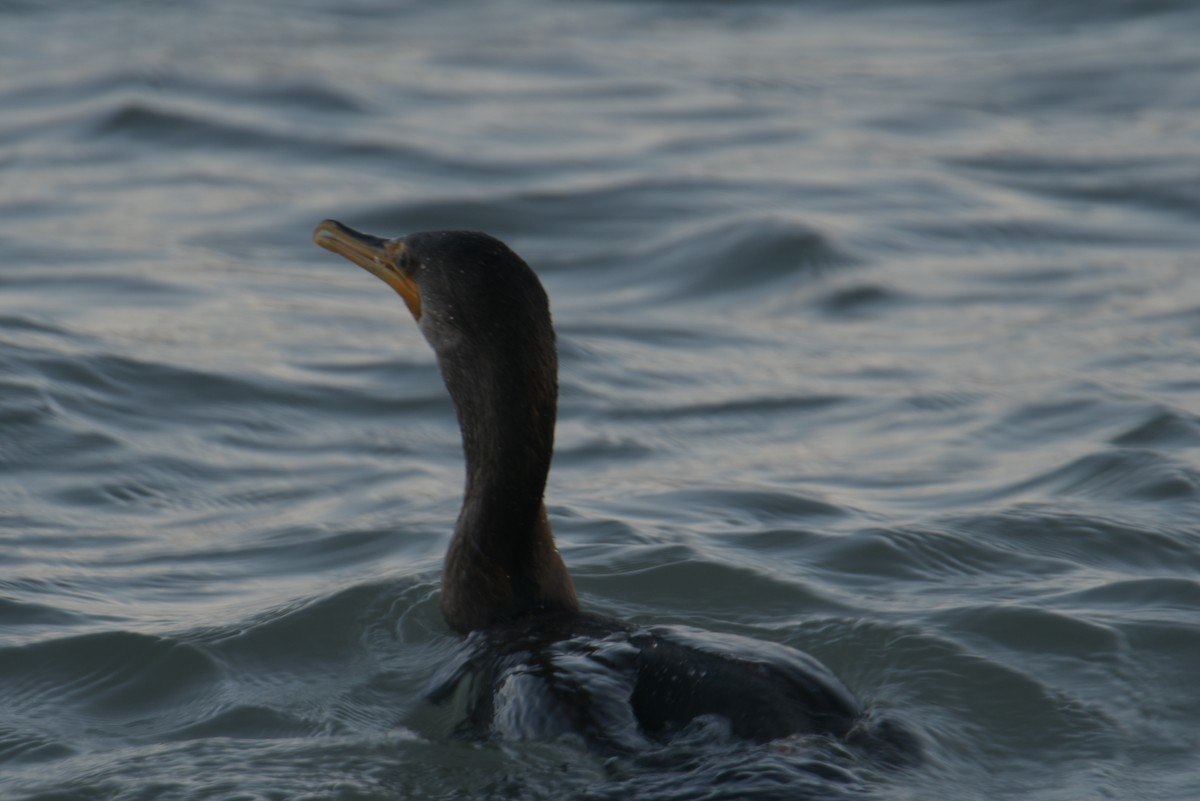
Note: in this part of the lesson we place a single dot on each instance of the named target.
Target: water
(880, 336)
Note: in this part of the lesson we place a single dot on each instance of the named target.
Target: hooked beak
(380, 257)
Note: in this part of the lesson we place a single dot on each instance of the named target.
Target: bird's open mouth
(380, 257)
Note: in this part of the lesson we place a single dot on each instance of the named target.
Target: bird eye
(400, 256)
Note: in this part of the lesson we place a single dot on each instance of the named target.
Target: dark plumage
(538, 666)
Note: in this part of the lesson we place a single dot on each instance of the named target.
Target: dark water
(880, 334)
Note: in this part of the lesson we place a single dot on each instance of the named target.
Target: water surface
(879, 329)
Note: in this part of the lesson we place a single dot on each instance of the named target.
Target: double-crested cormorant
(540, 667)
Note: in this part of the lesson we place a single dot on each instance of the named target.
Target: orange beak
(380, 257)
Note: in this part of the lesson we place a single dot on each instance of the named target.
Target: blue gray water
(880, 337)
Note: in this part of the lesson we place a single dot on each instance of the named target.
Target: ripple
(1070, 540)
(1178, 596)
(1041, 633)
(855, 302)
(1166, 429)
(247, 721)
(1037, 235)
(933, 555)
(730, 408)
(158, 122)
(23, 613)
(114, 684)
(1130, 474)
(1149, 182)
(741, 256)
(744, 590)
(999, 695)
(760, 505)
(547, 216)
(164, 123)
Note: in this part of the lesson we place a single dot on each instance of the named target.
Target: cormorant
(539, 666)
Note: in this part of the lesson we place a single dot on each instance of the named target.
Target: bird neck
(502, 562)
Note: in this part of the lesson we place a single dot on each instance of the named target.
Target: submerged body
(622, 687)
(538, 667)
